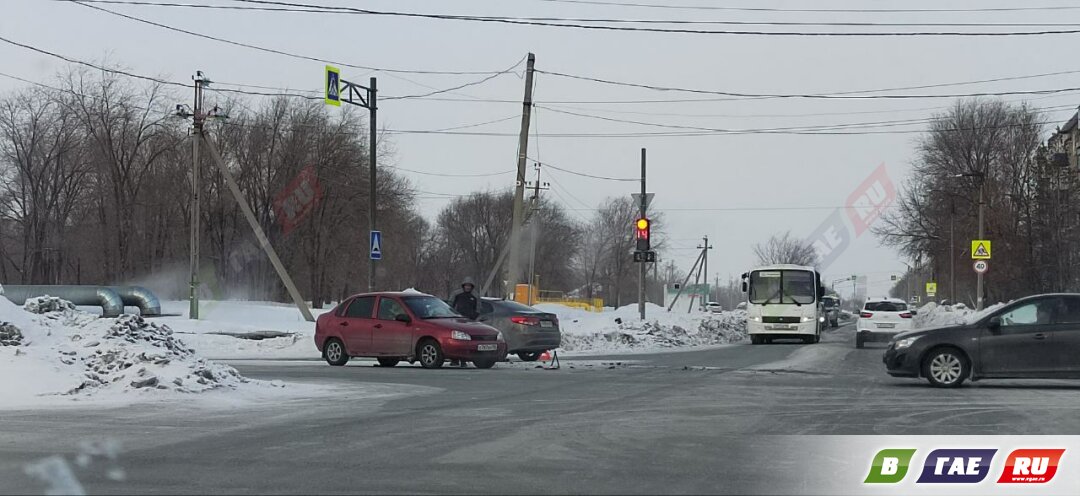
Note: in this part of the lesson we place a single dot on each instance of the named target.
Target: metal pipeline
(109, 300)
(138, 296)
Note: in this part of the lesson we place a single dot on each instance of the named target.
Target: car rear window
(514, 307)
(885, 306)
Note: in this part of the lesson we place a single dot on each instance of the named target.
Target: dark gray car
(528, 332)
(1034, 337)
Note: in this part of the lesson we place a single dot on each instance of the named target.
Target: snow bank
(621, 330)
(239, 329)
(934, 315)
(59, 351)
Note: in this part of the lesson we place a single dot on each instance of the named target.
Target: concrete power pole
(534, 234)
(198, 118)
(705, 266)
(641, 270)
(519, 185)
(372, 152)
(979, 276)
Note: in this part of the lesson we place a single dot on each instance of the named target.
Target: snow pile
(46, 304)
(934, 315)
(621, 329)
(68, 352)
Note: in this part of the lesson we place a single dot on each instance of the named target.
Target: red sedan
(405, 326)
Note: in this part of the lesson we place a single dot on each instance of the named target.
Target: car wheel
(486, 363)
(430, 353)
(817, 338)
(755, 339)
(388, 362)
(334, 353)
(858, 341)
(946, 367)
(528, 356)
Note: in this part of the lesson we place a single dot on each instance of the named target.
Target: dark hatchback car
(1034, 337)
(528, 332)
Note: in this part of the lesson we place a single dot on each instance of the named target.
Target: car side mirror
(913, 312)
(994, 323)
(402, 318)
(744, 287)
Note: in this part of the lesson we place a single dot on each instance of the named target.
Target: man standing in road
(466, 303)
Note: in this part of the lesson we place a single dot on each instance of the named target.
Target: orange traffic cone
(545, 356)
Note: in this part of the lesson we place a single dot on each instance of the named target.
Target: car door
(356, 325)
(389, 336)
(1023, 344)
(1066, 337)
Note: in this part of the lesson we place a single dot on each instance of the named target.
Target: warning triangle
(980, 251)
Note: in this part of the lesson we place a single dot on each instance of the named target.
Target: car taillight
(905, 315)
(865, 315)
(530, 321)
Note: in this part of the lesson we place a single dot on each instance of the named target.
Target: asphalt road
(711, 421)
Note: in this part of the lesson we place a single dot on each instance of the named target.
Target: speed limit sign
(981, 266)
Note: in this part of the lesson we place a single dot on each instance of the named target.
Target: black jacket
(467, 304)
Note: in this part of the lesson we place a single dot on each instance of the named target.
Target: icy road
(712, 421)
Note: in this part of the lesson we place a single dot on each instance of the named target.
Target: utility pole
(952, 250)
(697, 280)
(534, 230)
(685, 281)
(519, 184)
(979, 275)
(372, 152)
(641, 270)
(200, 116)
(705, 265)
(198, 119)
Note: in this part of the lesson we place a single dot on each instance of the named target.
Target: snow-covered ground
(226, 328)
(54, 354)
(620, 330)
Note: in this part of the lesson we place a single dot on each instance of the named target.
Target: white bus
(784, 302)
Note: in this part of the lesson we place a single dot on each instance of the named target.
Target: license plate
(886, 326)
(547, 323)
(782, 327)
(487, 347)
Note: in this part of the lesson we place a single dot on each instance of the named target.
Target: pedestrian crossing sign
(931, 289)
(333, 86)
(980, 249)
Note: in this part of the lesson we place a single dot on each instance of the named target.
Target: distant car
(392, 327)
(528, 332)
(831, 305)
(714, 307)
(881, 319)
(1034, 337)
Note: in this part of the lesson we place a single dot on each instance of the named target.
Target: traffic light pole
(643, 266)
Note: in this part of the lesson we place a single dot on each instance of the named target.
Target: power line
(570, 23)
(441, 174)
(846, 95)
(828, 127)
(803, 10)
(460, 86)
(592, 176)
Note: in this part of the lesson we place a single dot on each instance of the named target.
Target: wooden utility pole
(514, 270)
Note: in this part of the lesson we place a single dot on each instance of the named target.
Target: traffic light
(641, 233)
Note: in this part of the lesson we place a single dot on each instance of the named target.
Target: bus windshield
(782, 286)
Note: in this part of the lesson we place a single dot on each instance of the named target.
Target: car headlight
(460, 336)
(807, 319)
(821, 319)
(755, 319)
(906, 342)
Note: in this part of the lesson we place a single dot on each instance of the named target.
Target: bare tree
(786, 249)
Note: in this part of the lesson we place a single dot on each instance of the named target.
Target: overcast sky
(738, 174)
